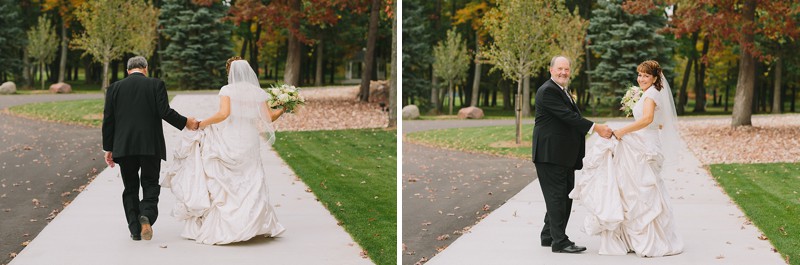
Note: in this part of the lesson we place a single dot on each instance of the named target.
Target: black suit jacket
(559, 131)
(132, 117)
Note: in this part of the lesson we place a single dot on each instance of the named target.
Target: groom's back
(137, 128)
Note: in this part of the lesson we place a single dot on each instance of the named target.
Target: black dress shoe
(571, 249)
(547, 243)
(136, 237)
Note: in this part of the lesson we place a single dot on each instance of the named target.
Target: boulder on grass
(8, 88)
(60, 88)
(410, 112)
(470, 113)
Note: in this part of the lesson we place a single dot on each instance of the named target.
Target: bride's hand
(617, 135)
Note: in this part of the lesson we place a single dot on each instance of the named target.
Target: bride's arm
(221, 115)
(273, 114)
(647, 113)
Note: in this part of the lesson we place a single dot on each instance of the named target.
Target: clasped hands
(192, 123)
(606, 132)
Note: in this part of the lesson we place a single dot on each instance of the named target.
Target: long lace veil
(247, 100)
(668, 121)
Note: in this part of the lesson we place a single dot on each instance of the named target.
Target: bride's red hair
(652, 68)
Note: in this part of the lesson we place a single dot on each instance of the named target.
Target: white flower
(283, 98)
(275, 91)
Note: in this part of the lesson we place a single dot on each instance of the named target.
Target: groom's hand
(603, 130)
(109, 159)
(192, 123)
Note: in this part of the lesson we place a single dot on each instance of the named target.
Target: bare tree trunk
(700, 80)
(476, 81)
(777, 104)
(526, 96)
(743, 102)
(41, 73)
(393, 82)
(450, 96)
(437, 104)
(26, 70)
(254, 49)
(105, 75)
(684, 96)
(369, 58)
(318, 77)
(518, 110)
(62, 66)
(291, 75)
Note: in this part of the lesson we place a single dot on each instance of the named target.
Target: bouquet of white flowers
(632, 96)
(284, 95)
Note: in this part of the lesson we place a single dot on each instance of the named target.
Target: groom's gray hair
(553, 61)
(137, 62)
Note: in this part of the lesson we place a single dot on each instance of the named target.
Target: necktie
(569, 95)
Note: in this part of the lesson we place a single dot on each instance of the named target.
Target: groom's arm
(554, 104)
(164, 111)
(108, 121)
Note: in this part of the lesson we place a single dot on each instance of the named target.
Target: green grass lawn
(354, 174)
(769, 194)
(495, 140)
(88, 112)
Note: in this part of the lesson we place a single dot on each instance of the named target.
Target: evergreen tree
(417, 42)
(199, 43)
(623, 41)
(12, 38)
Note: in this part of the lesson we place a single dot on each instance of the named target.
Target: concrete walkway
(92, 230)
(713, 228)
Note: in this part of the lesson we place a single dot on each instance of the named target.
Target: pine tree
(12, 38)
(199, 43)
(417, 43)
(623, 41)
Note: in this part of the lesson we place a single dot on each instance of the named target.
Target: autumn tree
(42, 44)
(742, 23)
(65, 10)
(107, 37)
(473, 14)
(523, 44)
(451, 61)
(295, 16)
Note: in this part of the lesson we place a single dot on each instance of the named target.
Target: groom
(558, 148)
(133, 138)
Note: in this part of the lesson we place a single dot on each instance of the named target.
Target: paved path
(92, 229)
(445, 191)
(714, 229)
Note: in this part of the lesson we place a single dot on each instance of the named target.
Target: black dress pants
(556, 182)
(150, 167)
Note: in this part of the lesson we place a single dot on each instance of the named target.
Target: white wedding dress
(217, 174)
(621, 185)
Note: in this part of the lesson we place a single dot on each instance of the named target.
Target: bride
(217, 176)
(621, 181)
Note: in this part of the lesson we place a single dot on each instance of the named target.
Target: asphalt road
(43, 166)
(446, 192)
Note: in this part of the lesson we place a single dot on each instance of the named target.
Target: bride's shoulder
(652, 93)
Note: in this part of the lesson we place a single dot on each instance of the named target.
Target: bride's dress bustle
(221, 193)
(621, 185)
